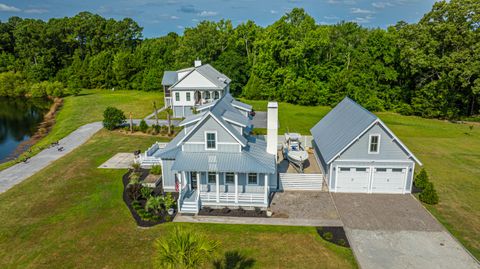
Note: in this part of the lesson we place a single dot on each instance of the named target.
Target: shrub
(328, 236)
(429, 194)
(112, 117)
(156, 170)
(169, 201)
(133, 191)
(421, 179)
(135, 166)
(154, 203)
(143, 126)
(342, 242)
(146, 192)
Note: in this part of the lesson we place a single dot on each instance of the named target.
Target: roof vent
(197, 63)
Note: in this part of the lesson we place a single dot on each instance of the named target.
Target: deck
(311, 165)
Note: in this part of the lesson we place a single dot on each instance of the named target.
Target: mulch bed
(156, 191)
(228, 212)
(335, 235)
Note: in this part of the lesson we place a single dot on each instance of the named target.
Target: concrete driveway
(395, 231)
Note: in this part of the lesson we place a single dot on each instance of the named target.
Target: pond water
(19, 118)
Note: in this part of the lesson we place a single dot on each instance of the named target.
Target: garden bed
(335, 235)
(143, 217)
(227, 212)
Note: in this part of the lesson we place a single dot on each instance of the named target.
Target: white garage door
(388, 180)
(353, 179)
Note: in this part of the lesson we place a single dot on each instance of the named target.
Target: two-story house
(192, 87)
(214, 161)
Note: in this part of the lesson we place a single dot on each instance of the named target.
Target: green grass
(71, 214)
(89, 106)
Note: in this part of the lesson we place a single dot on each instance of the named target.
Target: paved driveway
(260, 119)
(395, 231)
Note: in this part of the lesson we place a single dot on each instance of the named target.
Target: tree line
(430, 68)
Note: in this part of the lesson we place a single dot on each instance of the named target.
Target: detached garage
(358, 153)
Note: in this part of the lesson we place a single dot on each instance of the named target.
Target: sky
(159, 17)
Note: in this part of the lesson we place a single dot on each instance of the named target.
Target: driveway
(395, 231)
(260, 119)
(306, 208)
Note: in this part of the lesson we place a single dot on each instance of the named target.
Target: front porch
(222, 189)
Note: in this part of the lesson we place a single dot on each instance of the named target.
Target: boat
(294, 152)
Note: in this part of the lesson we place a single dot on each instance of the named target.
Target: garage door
(388, 180)
(353, 179)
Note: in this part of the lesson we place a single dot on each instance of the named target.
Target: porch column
(179, 177)
(266, 189)
(184, 178)
(217, 179)
(198, 182)
(236, 188)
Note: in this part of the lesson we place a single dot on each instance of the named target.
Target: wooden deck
(311, 166)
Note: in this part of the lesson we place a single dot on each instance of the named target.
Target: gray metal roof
(253, 159)
(213, 75)
(169, 78)
(192, 118)
(171, 149)
(340, 127)
(242, 105)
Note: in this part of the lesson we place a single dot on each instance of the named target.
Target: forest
(430, 68)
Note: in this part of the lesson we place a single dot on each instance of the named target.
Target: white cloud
(173, 17)
(331, 17)
(180, 27)
(381, 5)
(206, 13)
(344, 2)
(273, 11)
(195, 20)
(6, 8)
(362, 20)
(35, 11)
(357, 10)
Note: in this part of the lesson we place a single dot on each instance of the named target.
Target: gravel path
(21, 171)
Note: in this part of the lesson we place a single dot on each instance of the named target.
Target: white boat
(294, 152)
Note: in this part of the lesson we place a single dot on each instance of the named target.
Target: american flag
(176, 185)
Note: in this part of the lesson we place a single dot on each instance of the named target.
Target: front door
(193, 180)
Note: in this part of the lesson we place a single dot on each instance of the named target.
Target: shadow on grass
(234, 260)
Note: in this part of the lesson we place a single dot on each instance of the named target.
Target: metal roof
(253, 159)
(171, 149)
(340, 127)
(241, 105)
(192, 118)
(169, 78)
(213, 75)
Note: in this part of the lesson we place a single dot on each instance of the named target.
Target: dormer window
(374, 144)
(210, 140)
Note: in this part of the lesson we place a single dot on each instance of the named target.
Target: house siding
(168, 176)
(211, 124)
(201, 148)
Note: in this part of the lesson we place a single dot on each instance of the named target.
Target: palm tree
(154, 203)
(169, 120)
(183, 249)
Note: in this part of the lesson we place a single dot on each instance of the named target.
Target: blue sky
(159, 17)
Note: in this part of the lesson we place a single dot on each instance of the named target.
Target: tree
(112, 117)
(143, 126)
(429, 194)
(421, 180)
(183, 249)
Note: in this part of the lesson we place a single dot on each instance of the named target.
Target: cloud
(206, 13)
(6, 8)
(35, 11)
(362, 20)
(331, 17)
(188, 9)
(357, 10)
(342, 2)
(180, 27)
(381, 5)
(273, 11)
(173, 17)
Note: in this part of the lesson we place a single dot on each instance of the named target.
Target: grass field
(450, 153)
(71, 214)
(89, 106)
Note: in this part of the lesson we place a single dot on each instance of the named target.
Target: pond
(19, 119)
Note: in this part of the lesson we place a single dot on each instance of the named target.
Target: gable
(390, 149)
(210, 124)
(194, 80)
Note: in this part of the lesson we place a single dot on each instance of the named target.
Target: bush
(112, 117)
(429, 194)
(143, 126)
(136, 166)
(421, 179)
(156, 170)
(146, 192)
(328, 236)
(168, 201)
(342, 242)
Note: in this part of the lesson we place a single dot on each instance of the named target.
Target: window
(177, 96)
(211, 140)
(381, 169)
(207, 95)
(188, 96)
(374, 144)
(397, 170)
(229, 178)
(212, 178)
(344, 169)
(215, 95)
(361, 169)
(252, 179)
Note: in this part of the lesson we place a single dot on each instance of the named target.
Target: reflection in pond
(19, 118)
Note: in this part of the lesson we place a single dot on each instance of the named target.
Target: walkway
(21, 171)
(257, 221)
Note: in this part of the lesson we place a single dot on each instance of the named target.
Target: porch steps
(301, 182)
(190, 207)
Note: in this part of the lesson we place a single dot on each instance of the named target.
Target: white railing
(231, 188)
(229, 198)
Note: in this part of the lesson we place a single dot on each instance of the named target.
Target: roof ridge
(360, 106)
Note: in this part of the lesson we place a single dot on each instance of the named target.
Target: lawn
(71, 214)
(89, 106)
